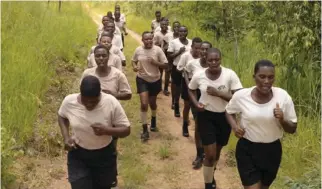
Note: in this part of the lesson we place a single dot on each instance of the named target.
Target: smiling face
(183, 32)
(214, 61)
(264, 79)
(203, 50)
(147, 40)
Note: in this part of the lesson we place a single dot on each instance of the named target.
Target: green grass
(36, 39)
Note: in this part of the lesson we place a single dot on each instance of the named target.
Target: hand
(182, 49)
(213, 91)
(70, 144)
(278, 113)
(239, 132)
(99, 129)
(135, 68)
(151, 60)
(125, 33)
(200, 107)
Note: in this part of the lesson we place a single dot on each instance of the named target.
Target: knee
(210, 158)
(144, 107)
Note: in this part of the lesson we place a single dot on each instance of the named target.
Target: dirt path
(174, 172)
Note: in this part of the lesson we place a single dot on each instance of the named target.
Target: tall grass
(301, 151)
(35, 35)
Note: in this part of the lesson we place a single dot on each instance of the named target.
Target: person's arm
(231, 109)
(173, 55)
(192, 87)
(64, 127)
(287, 118)
(124, 92)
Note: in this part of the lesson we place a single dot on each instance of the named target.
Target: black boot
(176, 110)
(153, 126)
(145, 135)
(185, 131)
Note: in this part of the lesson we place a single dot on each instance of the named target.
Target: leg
(197, 163)
(161, 76)
(144, 98)
(185, 113)
(176, 80)
(153, 106)
(166, 81)
(257, 185)
(83, 183)
(208, 171)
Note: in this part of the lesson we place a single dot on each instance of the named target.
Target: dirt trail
(175, 172)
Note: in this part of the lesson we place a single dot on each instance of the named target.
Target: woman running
(156, 22)
(106, 39)
(176, 48)
(166, 40)
(113, 60)
(94, 118)
(191, 69)
(120, 25)
(216, 84)
(146, 61)
(193, 54)
(265, 112)
(117, 39)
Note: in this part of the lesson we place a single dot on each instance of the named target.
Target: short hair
(146, 32)
(106, 34)
(90, 86)
(196, 40)
(183, 26)
(213, 50)
(263, 63)
(176, 22)
(156, 12)
(207, 42)
(101, 47)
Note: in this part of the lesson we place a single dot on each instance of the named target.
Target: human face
(183, 32)
(203, 50)
(105, 20)
(214, 61)
(158, 17)
(101, 57)
(164, 26)
(110, 27)
(117, 16)
(147, 40)
(176, 27)
(264, 79)
(196, 49)
(106, 41)
(90, 102)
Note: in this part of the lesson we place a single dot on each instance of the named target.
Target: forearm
(231, 118)
(123, 96)
(226, 96)
(134, 64)
(186, 77)
(288, 126)
(64, 127)
(193, 97)
(120, 132)
(174, 55)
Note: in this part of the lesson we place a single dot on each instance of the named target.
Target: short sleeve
(235, 82)
(171, 46)
(193, 84)
(117, 62)
(163, 59)
(233, 105)
(92, 62)
(63, 108)
(289, 110)
(188, 67)
(156, 40)
(135, 57)
(121, 55)
(119, 118)
(123, 84)
(85, 73)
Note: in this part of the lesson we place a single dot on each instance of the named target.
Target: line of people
(214, 94)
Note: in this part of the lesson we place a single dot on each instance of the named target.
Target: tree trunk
(59, 7)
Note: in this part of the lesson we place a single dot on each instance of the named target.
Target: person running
(105, 20)
(193, 54)
(216, 84)
(117, 39)
(156, 22)
(107, 41)
(167, 38)
(176, 48)
(122, 16)
(158, 41)
(94, 118)
(113, 60)
(191, 69)
(265, 112)
(120, 24)
(146, 62)
(159, 27)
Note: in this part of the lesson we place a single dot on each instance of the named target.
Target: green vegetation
(288, 33)
(37, 39)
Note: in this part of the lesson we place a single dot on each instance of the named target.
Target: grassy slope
(36, 41)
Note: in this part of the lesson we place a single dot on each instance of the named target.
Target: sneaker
(145, 136)
(197, 163)
(214, 185)
(153, 126)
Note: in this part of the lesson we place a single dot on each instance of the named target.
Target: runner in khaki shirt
(120, 25)
(117, 39)
(156, 22)
(158, 39)
(94, 118)
(106, 39)
(146, 62)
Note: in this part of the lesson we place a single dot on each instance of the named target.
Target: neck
(261, 95)
(214, 73)
(183, 40)
(103, 70)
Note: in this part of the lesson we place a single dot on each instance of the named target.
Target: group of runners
(214, 94)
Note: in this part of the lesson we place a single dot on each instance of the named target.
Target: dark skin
(90, 103)
(212, 151)
(103, 70)
(117, 16)
(107, 42)
(176, 27)
(183, 33)
(262, 93)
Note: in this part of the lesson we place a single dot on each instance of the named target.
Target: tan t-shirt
(108, 112)
(148, 71)
(174, 47)
(116, 81)
(113, 61)
(113, 50)
(158, 39)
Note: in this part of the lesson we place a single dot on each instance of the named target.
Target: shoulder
(70, 98)
(281, 93)
(241, 93)
(89, 71)
(228, 71)
(109, 100)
